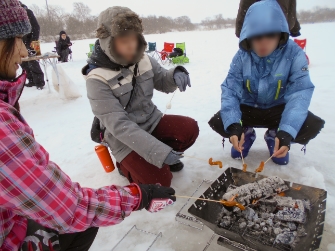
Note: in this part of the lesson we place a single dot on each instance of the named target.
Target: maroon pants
(177, 132)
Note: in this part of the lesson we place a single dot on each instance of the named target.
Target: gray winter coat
(129, 129)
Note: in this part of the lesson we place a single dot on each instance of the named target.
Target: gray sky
(197, 10)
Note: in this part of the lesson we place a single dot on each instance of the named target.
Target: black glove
(284, 139)
(181, 78)
(156, 197)
(297, 34)
(235, 129)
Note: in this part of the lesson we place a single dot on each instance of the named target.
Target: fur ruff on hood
(116, 21)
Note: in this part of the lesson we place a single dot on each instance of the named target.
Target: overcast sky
(197, 10)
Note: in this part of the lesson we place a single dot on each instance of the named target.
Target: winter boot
(120, 172)
(177, 167)
(119, 169)
(269, 138)
(249, 139)
(30, 83)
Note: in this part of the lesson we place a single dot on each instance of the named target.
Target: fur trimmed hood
(116, 21)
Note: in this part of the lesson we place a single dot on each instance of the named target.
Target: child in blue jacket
(268, 86)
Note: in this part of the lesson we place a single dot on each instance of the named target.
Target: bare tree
(81, 11)
(80, 23)
(37, 10)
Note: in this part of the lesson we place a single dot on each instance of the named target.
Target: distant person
(41, 208)
(268, 86)
(63, 46)
(121, 80)
(34, 73)
(289, 7)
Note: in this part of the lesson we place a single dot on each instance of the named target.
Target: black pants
(36, 233)
(270, 118)
(35, 74)
(64, 55)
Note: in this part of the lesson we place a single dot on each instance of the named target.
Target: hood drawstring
(304, 149)
(133, 83)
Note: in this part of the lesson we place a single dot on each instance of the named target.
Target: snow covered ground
(63, 128)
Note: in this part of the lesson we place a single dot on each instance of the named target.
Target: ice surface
(63, 128)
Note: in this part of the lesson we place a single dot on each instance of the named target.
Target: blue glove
(181, 79)
(173, 158)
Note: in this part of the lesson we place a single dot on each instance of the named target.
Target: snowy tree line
(317, 15)
(81, 24)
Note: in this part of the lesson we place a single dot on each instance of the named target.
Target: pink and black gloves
(156, 197)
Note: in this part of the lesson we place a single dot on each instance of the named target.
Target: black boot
(120, 172)
(30, 84)
(177, 167)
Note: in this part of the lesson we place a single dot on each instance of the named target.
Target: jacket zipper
(248, 85)
(278, 89)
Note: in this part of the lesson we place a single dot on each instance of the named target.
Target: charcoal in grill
(307, 235)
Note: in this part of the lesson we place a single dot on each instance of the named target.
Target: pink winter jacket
(33, 187)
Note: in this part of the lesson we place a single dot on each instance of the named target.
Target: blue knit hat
(14, 20)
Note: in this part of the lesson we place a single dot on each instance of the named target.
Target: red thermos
(105, 158)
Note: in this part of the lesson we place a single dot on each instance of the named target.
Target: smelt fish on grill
(259, 189)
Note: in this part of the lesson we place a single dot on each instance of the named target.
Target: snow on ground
(63, 128)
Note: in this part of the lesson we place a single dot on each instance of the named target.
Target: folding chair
(70, 52)
(303, 45)
(70, 58)
(152, 51)
(91, 50)
(164, 54)
(181, 59)
(55, 48)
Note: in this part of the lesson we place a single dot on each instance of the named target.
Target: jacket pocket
(123, 93)
(146, 82)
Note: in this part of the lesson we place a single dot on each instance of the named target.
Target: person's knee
(215, 121)
(163, 177)
(165, 181)
(194, 130)
(216, 124)
(315, 124)
(310, 129)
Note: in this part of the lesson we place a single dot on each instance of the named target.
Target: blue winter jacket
(280, 78)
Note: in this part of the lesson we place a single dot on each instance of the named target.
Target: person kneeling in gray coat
(120, 81)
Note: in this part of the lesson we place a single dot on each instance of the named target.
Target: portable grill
(208, 213)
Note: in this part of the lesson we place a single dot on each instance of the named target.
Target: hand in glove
(173, 158)
(282, 144)
(156, 197)
(237, 136)
(181, 78)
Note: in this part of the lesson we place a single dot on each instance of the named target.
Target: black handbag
(97, 133)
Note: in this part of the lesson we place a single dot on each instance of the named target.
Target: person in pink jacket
(40, 207)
